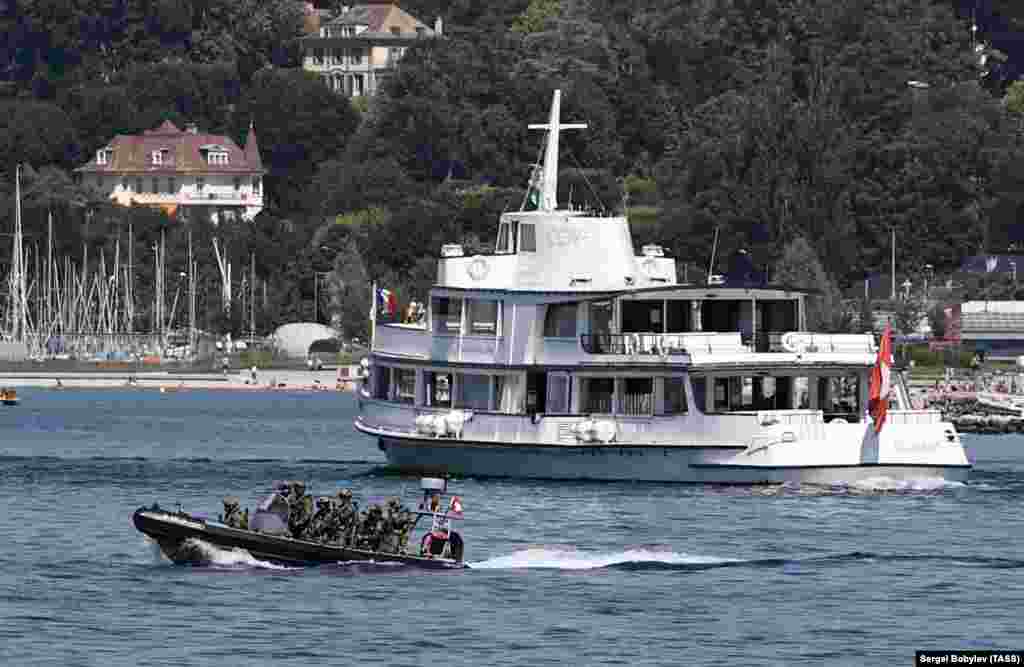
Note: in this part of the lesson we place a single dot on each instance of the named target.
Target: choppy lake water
(574, 573)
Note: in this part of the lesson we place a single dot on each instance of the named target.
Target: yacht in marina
(567, 355)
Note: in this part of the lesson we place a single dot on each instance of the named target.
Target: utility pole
(252, 297)
(893, 294)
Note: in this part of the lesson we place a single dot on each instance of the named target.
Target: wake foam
(228, 558)
(923, 484)
(556, 558)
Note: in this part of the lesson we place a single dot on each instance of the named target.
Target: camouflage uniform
(345, 518)
(232, 512)
(300, 511)
(319, 525)
(370, 528)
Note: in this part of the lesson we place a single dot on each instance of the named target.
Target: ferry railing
(629, 344)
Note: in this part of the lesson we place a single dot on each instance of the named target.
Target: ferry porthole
(478, 268)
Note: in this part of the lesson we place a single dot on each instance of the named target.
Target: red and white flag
(455, 507)
(881, 381)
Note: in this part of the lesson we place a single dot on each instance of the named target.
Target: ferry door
(558, 393)
(536, 392)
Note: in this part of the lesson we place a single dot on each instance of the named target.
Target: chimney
(191, 128)
(438, 26)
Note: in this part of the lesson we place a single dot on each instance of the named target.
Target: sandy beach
(292, 380)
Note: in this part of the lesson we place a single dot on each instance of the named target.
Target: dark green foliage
(788, 125)
(300, 124)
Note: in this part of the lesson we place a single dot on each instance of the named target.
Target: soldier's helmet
(322, 502)
(298, 488)
(345, 495)
(231, 501)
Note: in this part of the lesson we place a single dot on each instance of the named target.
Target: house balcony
(219, 198)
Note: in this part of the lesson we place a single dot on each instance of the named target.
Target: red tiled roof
(183, 152)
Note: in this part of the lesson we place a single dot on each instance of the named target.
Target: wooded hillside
(772, 120)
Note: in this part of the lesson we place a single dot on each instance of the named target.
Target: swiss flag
(455, 507)
(881, 381)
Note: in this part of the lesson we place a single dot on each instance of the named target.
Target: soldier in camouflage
(232, 512)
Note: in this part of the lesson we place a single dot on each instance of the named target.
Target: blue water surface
(563, 573)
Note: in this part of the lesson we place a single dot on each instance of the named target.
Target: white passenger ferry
(564, 355)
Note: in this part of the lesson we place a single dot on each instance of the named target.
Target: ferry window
(405, 385)
(700, 392)
(527, 238)
(559, 393)
(560, 320)
(483, 317)
(382, 382)
(641, 316)
(473, 392)
(675, 396)
(721, 395)
(439, 390)
(503, 238)
(507, 394)
(448, 315)
(598, 394)
(638, 396)
(677, 317)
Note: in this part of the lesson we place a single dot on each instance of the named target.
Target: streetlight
(316, 293)
(929, 271)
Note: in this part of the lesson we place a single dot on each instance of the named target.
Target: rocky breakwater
(975, 413)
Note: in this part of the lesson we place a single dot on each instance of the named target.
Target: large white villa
(186, 172)
(355, 51)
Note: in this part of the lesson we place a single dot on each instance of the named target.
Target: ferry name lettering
(568, 236)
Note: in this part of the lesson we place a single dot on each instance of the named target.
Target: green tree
(799, 267)
(301, 124)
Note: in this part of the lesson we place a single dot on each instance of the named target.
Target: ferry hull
(651, 463)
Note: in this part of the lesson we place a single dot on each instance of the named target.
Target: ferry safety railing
(629, 343)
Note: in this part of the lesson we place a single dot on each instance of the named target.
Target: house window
(217, 157)
(200, 184)
(238, 184)
(158, 157)
(255, 186)
(138, 185)
(155, 184)
(99, 181)
(101, 156)
(172, 185)
(396, 31)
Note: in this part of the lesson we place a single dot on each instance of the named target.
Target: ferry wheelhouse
(565, 355)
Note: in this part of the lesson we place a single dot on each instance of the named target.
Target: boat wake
(643, 559)
(218, 557)
(570, 559)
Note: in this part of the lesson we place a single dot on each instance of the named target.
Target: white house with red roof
(355, 51)
(187, 172)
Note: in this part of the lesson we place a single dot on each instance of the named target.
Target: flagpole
(373, 314)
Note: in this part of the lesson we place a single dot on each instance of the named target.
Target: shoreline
(270, 380)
